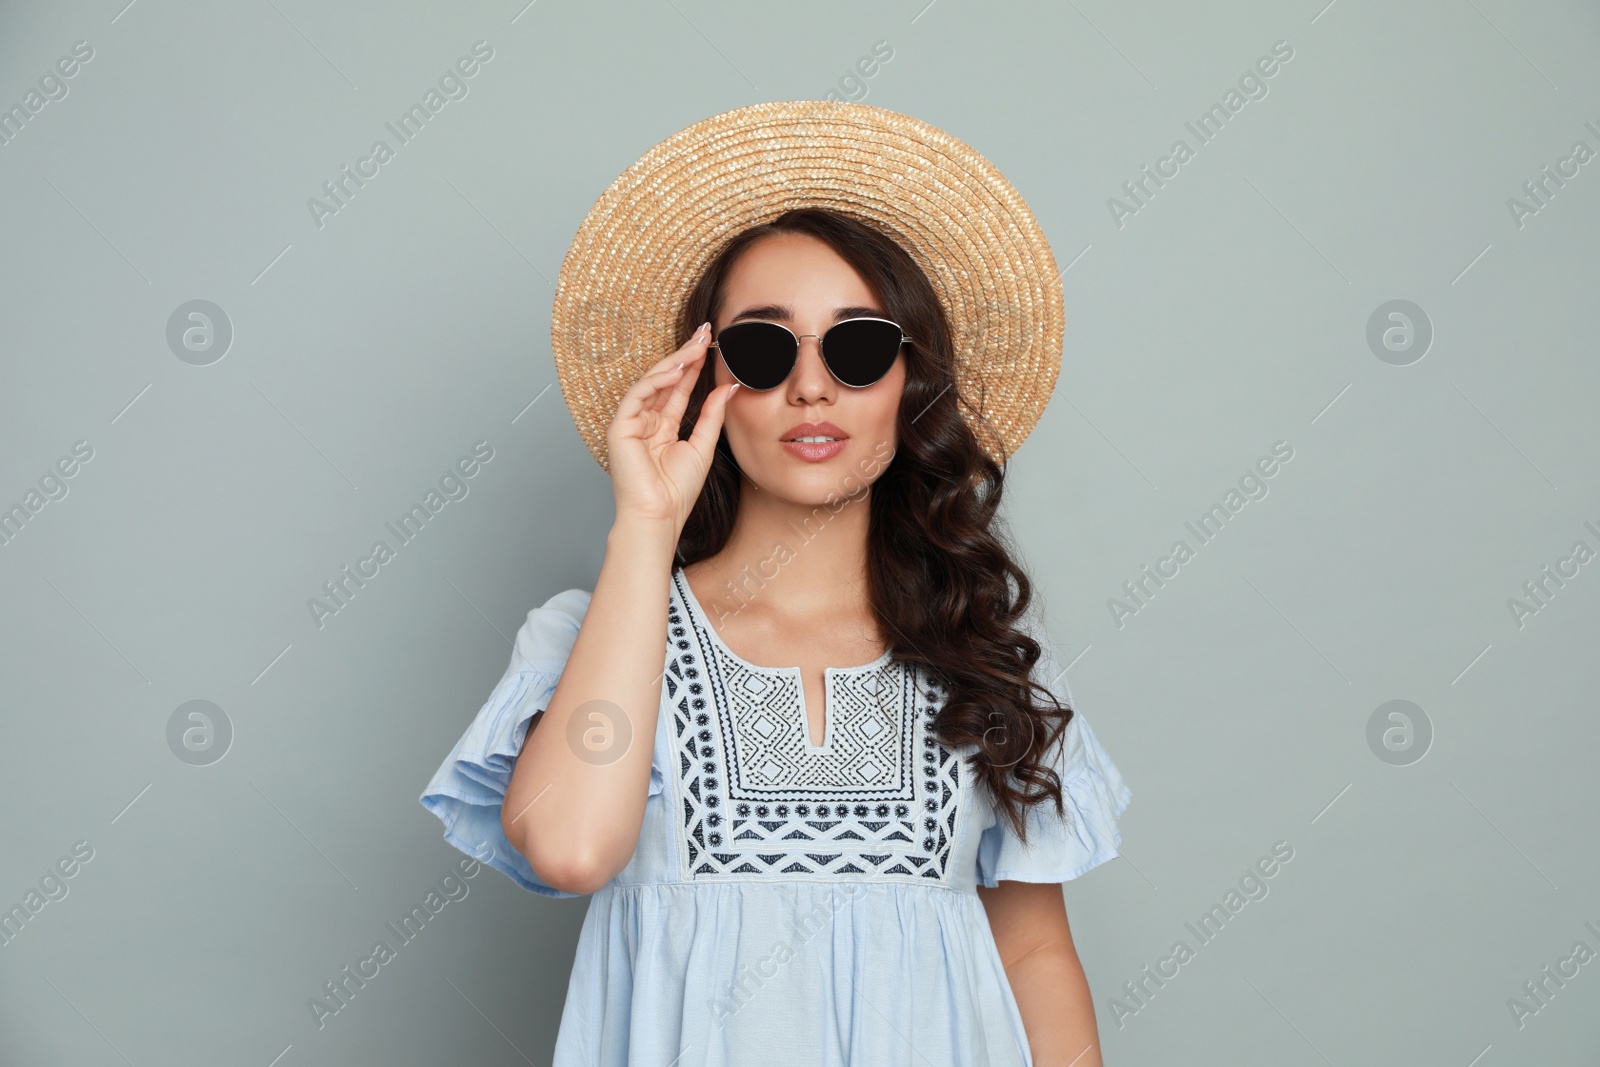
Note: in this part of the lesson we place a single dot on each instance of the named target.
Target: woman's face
(801, 282)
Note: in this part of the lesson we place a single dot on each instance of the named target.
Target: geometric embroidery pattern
(880, 799)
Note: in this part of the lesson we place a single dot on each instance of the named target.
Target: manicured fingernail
(735, 389)
(680, 366)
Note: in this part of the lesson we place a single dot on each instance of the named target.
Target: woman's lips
(814, 451)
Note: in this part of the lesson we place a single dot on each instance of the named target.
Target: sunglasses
(858, 352)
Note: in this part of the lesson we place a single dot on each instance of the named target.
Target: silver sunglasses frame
(821, 348)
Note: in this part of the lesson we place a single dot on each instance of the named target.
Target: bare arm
(576, 800)
(1029, 921)
(575, 810)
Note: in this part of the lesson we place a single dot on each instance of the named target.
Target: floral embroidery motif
(882, 798)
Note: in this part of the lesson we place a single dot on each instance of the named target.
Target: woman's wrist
(655, 537)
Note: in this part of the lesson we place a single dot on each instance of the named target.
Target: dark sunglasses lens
(760, 354)
(860, 351)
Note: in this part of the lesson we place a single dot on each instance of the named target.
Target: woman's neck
(802, 560)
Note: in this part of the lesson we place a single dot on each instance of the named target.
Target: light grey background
(1227, 313)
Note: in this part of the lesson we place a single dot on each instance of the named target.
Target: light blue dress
(787, 903)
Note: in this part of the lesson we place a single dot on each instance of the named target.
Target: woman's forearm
(1057, 1008)
(574, 808)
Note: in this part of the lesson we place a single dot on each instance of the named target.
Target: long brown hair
(939, 569)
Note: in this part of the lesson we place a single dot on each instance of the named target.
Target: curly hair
(940, 573)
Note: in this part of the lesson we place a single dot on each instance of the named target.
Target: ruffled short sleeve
(468, 789)
(1094, 797)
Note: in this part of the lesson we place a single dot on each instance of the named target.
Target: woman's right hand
(655, 476)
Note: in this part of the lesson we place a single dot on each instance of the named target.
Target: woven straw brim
(653, 232)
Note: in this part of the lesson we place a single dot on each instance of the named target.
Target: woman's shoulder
(547, 634)
(573, 602)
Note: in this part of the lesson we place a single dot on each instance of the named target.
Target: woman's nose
(811, 375)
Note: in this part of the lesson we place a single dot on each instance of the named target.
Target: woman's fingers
(644, 393)
(677, 381)
(695, 343)
(639, 394)
(644, 396)
(673, 401)
(709, 425)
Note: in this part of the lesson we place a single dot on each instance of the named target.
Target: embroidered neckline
(883, 801)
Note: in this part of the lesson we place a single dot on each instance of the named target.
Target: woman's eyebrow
(780, 312)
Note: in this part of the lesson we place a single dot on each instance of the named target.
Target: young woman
(804, 742)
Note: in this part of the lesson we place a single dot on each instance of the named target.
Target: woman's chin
(813, 485)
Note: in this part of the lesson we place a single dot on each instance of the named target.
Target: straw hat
(649, 237)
